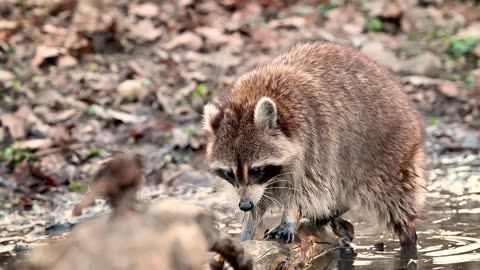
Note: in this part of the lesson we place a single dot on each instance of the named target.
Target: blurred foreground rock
(168, 234)
(172, 235)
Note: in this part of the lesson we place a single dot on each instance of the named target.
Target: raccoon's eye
(256, 172)
(272, 171)
(225, 174)
(230, 174)
(265, 173)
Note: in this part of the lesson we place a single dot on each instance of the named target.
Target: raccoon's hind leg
(341, 227)
(406, 232)
(403, 207)
(400, 214)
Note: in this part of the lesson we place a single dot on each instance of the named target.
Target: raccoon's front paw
(285, 231)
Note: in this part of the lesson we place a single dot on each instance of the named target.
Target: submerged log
(311, 243)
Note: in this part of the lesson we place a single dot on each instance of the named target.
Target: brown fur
(345, 135)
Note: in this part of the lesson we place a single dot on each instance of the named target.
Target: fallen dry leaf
(6, 29)
(469, 11)
(34, 144)
(7, 25)
(235, 41)
(185, 91)
(385, 9)
(49, 180)
(476, 51)
(54, 30)
(347, 19)
(6, 76)
(419, 80)
(165, 101)
(130, 89)
(187, 39)
(126, 117)
(117, 115)
(449, 89)
(180, 139)
(62, 5)
(382, 54)
(212, 36)
(145, 10)
(476, 76)
(266, 37)
(145, 68)
(296, 22)
(77, 44)
(15, 125)
(473, 30)
(184, 3)
(31, 121)
(196, 76)
(145, 30)
(67, 61)
(44, 52)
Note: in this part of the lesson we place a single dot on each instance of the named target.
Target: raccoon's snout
(246, 206)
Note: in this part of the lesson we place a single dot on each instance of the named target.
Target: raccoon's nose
(246, 206)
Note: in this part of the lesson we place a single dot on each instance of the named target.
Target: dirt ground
(81, 80)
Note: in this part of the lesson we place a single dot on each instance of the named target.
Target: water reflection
(449, 238)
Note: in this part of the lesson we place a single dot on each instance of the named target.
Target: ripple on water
(462, 246)
(449, 238)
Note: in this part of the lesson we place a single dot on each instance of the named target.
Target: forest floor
(80, 81)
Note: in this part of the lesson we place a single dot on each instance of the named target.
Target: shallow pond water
(448, 238)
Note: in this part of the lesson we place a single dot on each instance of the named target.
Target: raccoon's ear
(210, 112)
(266, 113)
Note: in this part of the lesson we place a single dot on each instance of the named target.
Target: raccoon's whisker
(276, 179)
(278, 175)
(262, 204)
(294, 190)
(291, 188)
(272, 199)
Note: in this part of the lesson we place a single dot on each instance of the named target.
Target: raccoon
(320, 129)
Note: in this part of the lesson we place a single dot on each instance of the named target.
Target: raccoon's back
(356, 115)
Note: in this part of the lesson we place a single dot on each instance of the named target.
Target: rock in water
(170, 235)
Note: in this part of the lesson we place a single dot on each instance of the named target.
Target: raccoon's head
(248, 147)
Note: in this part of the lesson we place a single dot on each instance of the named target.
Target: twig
(459, 148)
(58, 149)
